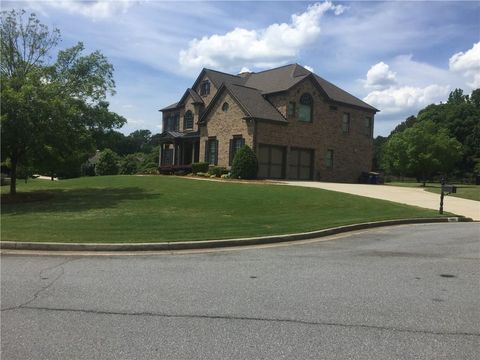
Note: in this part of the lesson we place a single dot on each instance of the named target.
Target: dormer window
(205, 88)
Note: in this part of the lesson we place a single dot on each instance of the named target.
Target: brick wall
(352, 151)
(224, 125)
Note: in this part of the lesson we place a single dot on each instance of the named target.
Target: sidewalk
(403, 195)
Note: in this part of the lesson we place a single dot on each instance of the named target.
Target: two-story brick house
(300, 125)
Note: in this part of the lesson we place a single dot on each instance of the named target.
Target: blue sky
(397, 56)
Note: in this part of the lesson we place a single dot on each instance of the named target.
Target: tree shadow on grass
(73, 200)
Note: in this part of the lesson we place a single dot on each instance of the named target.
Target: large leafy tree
(50, 108)
(423, 150)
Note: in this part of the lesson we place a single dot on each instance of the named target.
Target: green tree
(422, 151)
(107, 163)
(245, 164)
(49, 109)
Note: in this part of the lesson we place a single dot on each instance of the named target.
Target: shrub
(129, 165)
(217, 170)
(107, 163)
(200, 167)
(245, 164)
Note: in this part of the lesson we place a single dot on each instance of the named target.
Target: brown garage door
(300, 164)
(271, 162)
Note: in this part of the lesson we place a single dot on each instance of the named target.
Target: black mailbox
(451, 189)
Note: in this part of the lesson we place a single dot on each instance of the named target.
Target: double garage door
(272, 161)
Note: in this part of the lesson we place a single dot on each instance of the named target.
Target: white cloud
(468, 64)
(380, 77)
(99, 9)
(271, 46)
(404, 99)
(244, 70)
(309, 68)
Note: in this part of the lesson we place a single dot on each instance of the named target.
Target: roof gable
(250, 100)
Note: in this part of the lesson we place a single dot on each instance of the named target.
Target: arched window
(225, 107)
(188, 120)
(305, 111)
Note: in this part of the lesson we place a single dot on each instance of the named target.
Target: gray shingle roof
(170, 107)
(272, 81)
(254, 103)
(218, 78)
(196, 98)
(337, 94)
(278, 79)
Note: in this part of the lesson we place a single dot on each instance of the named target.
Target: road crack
(42, 276)
(260, 319)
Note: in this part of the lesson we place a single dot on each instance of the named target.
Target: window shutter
(216, 152)
(206, 150)
(230, 161)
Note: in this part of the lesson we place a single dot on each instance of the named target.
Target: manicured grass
(157, 208)
(471, 192)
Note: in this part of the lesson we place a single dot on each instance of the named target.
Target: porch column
(193, 151)
(160, 155)
(174, 153)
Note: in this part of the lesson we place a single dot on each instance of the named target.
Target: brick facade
(352, 151)
(223, 126)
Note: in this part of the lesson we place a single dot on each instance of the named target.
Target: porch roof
(176, 135)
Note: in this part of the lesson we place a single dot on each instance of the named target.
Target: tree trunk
(13, 178)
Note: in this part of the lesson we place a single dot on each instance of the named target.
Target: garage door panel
(300, 164)
(271, 162)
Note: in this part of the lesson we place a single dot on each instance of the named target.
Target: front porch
(178, 151)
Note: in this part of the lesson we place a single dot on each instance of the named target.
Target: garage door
(300, 164)
(271, 162)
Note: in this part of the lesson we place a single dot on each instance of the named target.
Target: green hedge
(217, 170)
(200, 167)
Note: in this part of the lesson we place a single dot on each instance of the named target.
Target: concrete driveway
(403, 195)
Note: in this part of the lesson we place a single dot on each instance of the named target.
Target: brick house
(300, 125)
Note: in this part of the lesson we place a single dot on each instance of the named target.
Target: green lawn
(471, 192)
(157, 208)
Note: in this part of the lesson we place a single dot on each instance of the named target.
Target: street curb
(208, 244)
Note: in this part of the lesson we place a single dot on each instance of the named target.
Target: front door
(187, 153)
(167, 157)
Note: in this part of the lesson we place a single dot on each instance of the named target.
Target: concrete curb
(208, 244)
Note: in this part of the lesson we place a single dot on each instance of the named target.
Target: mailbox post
(445, 190)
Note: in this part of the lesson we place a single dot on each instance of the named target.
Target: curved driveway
(405, 292)
(404, 195)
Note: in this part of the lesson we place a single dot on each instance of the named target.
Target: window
(346, 123)
(368, 126)
(333, 108)
(205, 88)
(305, 109)
(329, 159)
(225, 107)
(291, 109)
(211, 151)
(188, 120)
(235, 144)
(171, 122)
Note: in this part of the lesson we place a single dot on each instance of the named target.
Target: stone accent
(223, 126)
(352, 151)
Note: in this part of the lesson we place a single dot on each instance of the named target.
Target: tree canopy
(50, 108)
(458, 119)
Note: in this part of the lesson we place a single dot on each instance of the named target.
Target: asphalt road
(405, 292)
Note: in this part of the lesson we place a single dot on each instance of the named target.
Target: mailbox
(451, 189)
